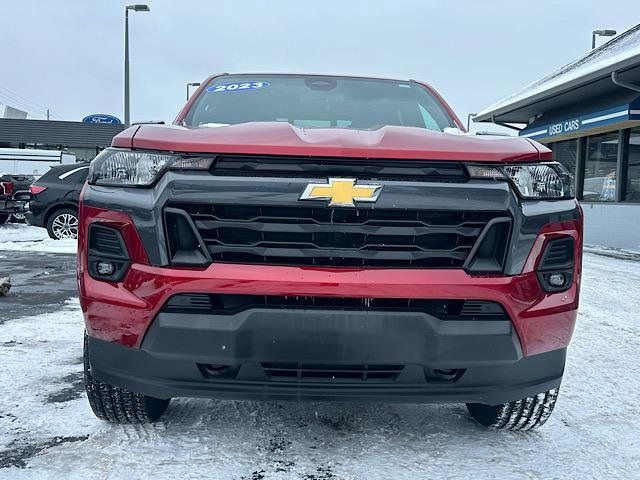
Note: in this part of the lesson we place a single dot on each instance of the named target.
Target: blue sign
(587, 121)
(100, 118)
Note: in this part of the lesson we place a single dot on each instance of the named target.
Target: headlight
(114, 167)
(534, 181)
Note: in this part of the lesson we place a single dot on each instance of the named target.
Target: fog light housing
(105, 268)
(107, 258)
(555, 270)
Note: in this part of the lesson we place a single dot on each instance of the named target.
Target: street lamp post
(135, 8)
(191, 84)
(601, 33)
(469, 117)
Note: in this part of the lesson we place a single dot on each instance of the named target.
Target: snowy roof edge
(579, 71)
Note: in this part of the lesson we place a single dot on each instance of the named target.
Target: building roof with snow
(580, 87)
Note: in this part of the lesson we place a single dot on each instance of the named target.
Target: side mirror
(454, 131)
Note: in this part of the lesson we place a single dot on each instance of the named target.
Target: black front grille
(231, 304)
(359, 168)
(302, 371)
(302, 235)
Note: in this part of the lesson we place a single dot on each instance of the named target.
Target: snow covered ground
(47, 430)
(27, 238)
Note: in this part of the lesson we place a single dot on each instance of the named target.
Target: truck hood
(279, 138)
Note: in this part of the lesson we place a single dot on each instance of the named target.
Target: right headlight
(532, 181)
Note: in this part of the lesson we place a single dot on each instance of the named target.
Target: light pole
(135, 8)
(191, 84)
(469, 117)
(601, 33)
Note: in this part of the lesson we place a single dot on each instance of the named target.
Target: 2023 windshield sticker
(237, 87)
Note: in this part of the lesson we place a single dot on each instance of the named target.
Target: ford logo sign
(99, 118)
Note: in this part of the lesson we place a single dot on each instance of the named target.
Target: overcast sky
(67, 55)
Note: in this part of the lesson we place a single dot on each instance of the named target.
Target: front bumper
(248, 348)
(124, 311)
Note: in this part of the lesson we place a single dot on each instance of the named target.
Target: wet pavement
(41, 282)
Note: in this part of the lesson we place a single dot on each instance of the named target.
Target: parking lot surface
(47, 430)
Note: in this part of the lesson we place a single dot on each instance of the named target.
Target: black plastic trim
(472, 257)
(166, 376)
(95, 255)
(547, 267)
(206, 260)
(322, 167)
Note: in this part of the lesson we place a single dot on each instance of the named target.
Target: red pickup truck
(312, 237)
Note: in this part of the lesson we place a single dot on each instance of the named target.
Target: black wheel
(63, 223)
(525, 414)
(4, 217)
(118, 405)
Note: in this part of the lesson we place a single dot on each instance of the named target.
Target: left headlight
(532, 181)
(129, 168)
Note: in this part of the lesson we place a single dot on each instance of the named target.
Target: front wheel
(525, 414)
(4, 217)
(63, 223)
(116, 404)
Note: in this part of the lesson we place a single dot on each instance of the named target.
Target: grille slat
(558, 254)
(392, 253)
(232, 304)
(304, 235)
(106, 241)
(301, 372)
(408, 228)
(313, 167)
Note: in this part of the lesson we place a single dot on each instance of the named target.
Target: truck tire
(63, 223)
(3, 218)
(525, 414)
(116, 404)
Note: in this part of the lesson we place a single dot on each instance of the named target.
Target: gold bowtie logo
(341, 192)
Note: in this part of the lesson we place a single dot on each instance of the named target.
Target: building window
(600, 168)
(633, 168)
(566, 152)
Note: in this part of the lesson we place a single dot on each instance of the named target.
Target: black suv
(54, 200)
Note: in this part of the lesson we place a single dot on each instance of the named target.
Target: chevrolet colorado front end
(326, 238)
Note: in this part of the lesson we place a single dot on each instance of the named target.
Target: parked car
(12, 199)
(326, 238)
(54, 200)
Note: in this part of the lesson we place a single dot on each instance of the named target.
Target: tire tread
(525, 414)
(116, 404)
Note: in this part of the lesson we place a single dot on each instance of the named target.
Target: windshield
(317, 102)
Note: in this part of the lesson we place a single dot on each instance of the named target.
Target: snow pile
(28, 238)
(48, 432)
(613, 252)
(19, 232)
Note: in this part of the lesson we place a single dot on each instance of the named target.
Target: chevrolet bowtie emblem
(341, 192)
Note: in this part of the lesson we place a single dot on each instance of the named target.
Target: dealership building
(588, 113)
(83, 139)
